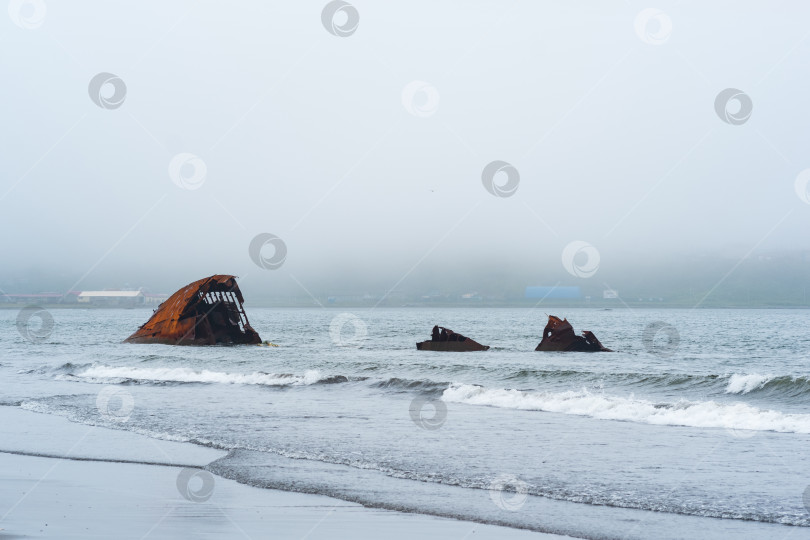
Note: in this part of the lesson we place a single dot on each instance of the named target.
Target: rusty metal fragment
(444, 339)
(206, 312)
(558, 335)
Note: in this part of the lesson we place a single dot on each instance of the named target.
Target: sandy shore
(101, 483)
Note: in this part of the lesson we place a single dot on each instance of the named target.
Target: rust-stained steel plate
(558, 335)
(445, 339)
(206, 312)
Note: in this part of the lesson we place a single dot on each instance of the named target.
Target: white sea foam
(106, 373)
(742, 384)
(704, 414)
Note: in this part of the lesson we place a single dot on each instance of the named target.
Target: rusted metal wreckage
(210, 312)
(558, 335)
(206, 312)
(444, 339)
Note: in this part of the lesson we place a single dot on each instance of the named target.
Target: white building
(152, 299)
(111, 298)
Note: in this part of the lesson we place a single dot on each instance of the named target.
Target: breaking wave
(751, 384)
(755, 384)
(742, 384)
(702, 414)
(108, 374)
(784, 386)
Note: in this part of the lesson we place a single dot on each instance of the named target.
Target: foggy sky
(305, 135)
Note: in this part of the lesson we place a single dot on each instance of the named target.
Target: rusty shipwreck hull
(445, 339)
(206, 312)
(558, 335)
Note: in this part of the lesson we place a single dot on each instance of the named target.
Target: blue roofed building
(553, 293)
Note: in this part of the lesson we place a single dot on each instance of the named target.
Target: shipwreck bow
(206, 312)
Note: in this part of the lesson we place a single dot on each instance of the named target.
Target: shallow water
(705, 437)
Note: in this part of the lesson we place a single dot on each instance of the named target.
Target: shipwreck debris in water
(444, 339)
(558, 335)
(206, 312)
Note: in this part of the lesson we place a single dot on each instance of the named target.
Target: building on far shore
(112, 298)
(96, 298)
(553, 293)
(40, 298)
(154, 299)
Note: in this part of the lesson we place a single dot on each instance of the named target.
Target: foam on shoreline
(702, 414)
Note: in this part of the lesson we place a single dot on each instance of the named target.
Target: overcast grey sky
(364, 152)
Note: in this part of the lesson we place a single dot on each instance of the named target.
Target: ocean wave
(12, 403)
(109, 374)
(770, 385)
(411, 385)
(701, 414)
(752, 384)
(67, 367)
(784, 386)
(742, 384)
(681, 381)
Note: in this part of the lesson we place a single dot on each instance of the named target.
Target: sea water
(698, 425)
